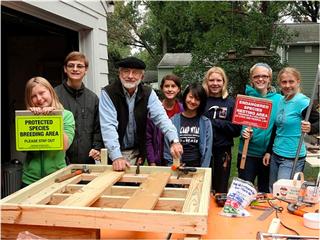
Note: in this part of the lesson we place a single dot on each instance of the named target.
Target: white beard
(130, 85)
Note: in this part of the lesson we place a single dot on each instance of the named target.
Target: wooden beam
(149, 192)
(10, 231)
(164, 204)
(140, 178)
(93, 190)
(44, 196)
(130, 190)
(192, 202)
(205, 192)
(102, 218)
(104, 156)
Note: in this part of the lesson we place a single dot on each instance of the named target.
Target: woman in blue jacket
(256, 165)
(194, 129)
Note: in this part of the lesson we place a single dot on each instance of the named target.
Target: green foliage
(207, 29)
(241, 26)
(304, 10)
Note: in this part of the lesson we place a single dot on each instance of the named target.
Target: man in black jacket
(124, 107)
(84, 104)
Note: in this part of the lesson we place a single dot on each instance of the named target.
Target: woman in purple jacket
(170, 87)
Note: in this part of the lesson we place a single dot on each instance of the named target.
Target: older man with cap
(124, 107)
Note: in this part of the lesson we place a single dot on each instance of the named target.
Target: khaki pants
(131, 155)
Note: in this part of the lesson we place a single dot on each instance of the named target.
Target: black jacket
(84, 104)
(220, 112)
(116, 93)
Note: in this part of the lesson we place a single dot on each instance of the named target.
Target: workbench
(157, 199)
(62, 210)
(221, 227)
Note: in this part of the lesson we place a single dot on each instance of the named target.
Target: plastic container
(311, 220)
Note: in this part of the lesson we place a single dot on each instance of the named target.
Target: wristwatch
(176, 140)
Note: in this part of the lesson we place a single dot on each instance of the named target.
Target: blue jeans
(281, 167)
(253, 169)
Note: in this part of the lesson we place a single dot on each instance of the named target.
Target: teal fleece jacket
(39, 164)
(260, 138)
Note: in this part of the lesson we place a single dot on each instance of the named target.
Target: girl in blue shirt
(289, 126)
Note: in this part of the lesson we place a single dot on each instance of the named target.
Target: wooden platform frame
(155, 200)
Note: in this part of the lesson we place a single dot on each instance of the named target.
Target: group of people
(134, 125)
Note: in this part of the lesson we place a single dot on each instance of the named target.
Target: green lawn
(310, 174)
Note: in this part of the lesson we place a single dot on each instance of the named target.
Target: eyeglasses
(135, 72)
(78, 66)
(256, 77)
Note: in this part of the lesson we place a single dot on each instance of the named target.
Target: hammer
(73, 173)
(182, 169)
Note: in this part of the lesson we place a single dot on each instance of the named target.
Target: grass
(310, 173)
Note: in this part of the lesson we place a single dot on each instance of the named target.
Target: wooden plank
(149, 192)
(33, 189)
(11, 231)
(104, 156)
(44, 196)
(130, 190)
(191, 205)
(205, 192)
(105, 218)
(164, 204)
(140, 178)
(92, 191)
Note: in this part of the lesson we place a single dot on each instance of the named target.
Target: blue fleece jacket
(205, 140)
(260, 138)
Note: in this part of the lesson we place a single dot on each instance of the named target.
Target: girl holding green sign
(41, 99)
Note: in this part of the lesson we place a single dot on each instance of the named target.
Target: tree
(243, 25)
(207, 29)
(302, 10)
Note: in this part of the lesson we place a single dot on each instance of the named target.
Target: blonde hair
(290, 70)
(218, 70)
(43, 82)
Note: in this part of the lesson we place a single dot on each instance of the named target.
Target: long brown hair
(44, 82)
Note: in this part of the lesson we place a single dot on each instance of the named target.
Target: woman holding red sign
(289, 125)
(255, 164)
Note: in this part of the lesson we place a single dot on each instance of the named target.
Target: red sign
(252, 111)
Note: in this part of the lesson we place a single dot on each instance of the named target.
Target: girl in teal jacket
(256, 164)
(41, 99)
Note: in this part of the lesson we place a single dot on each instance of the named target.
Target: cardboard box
(288, 189)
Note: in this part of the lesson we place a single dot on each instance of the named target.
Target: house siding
(306, 63)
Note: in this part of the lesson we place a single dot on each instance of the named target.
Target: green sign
(39, 132)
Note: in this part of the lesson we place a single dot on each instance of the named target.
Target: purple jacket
(155, 143)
